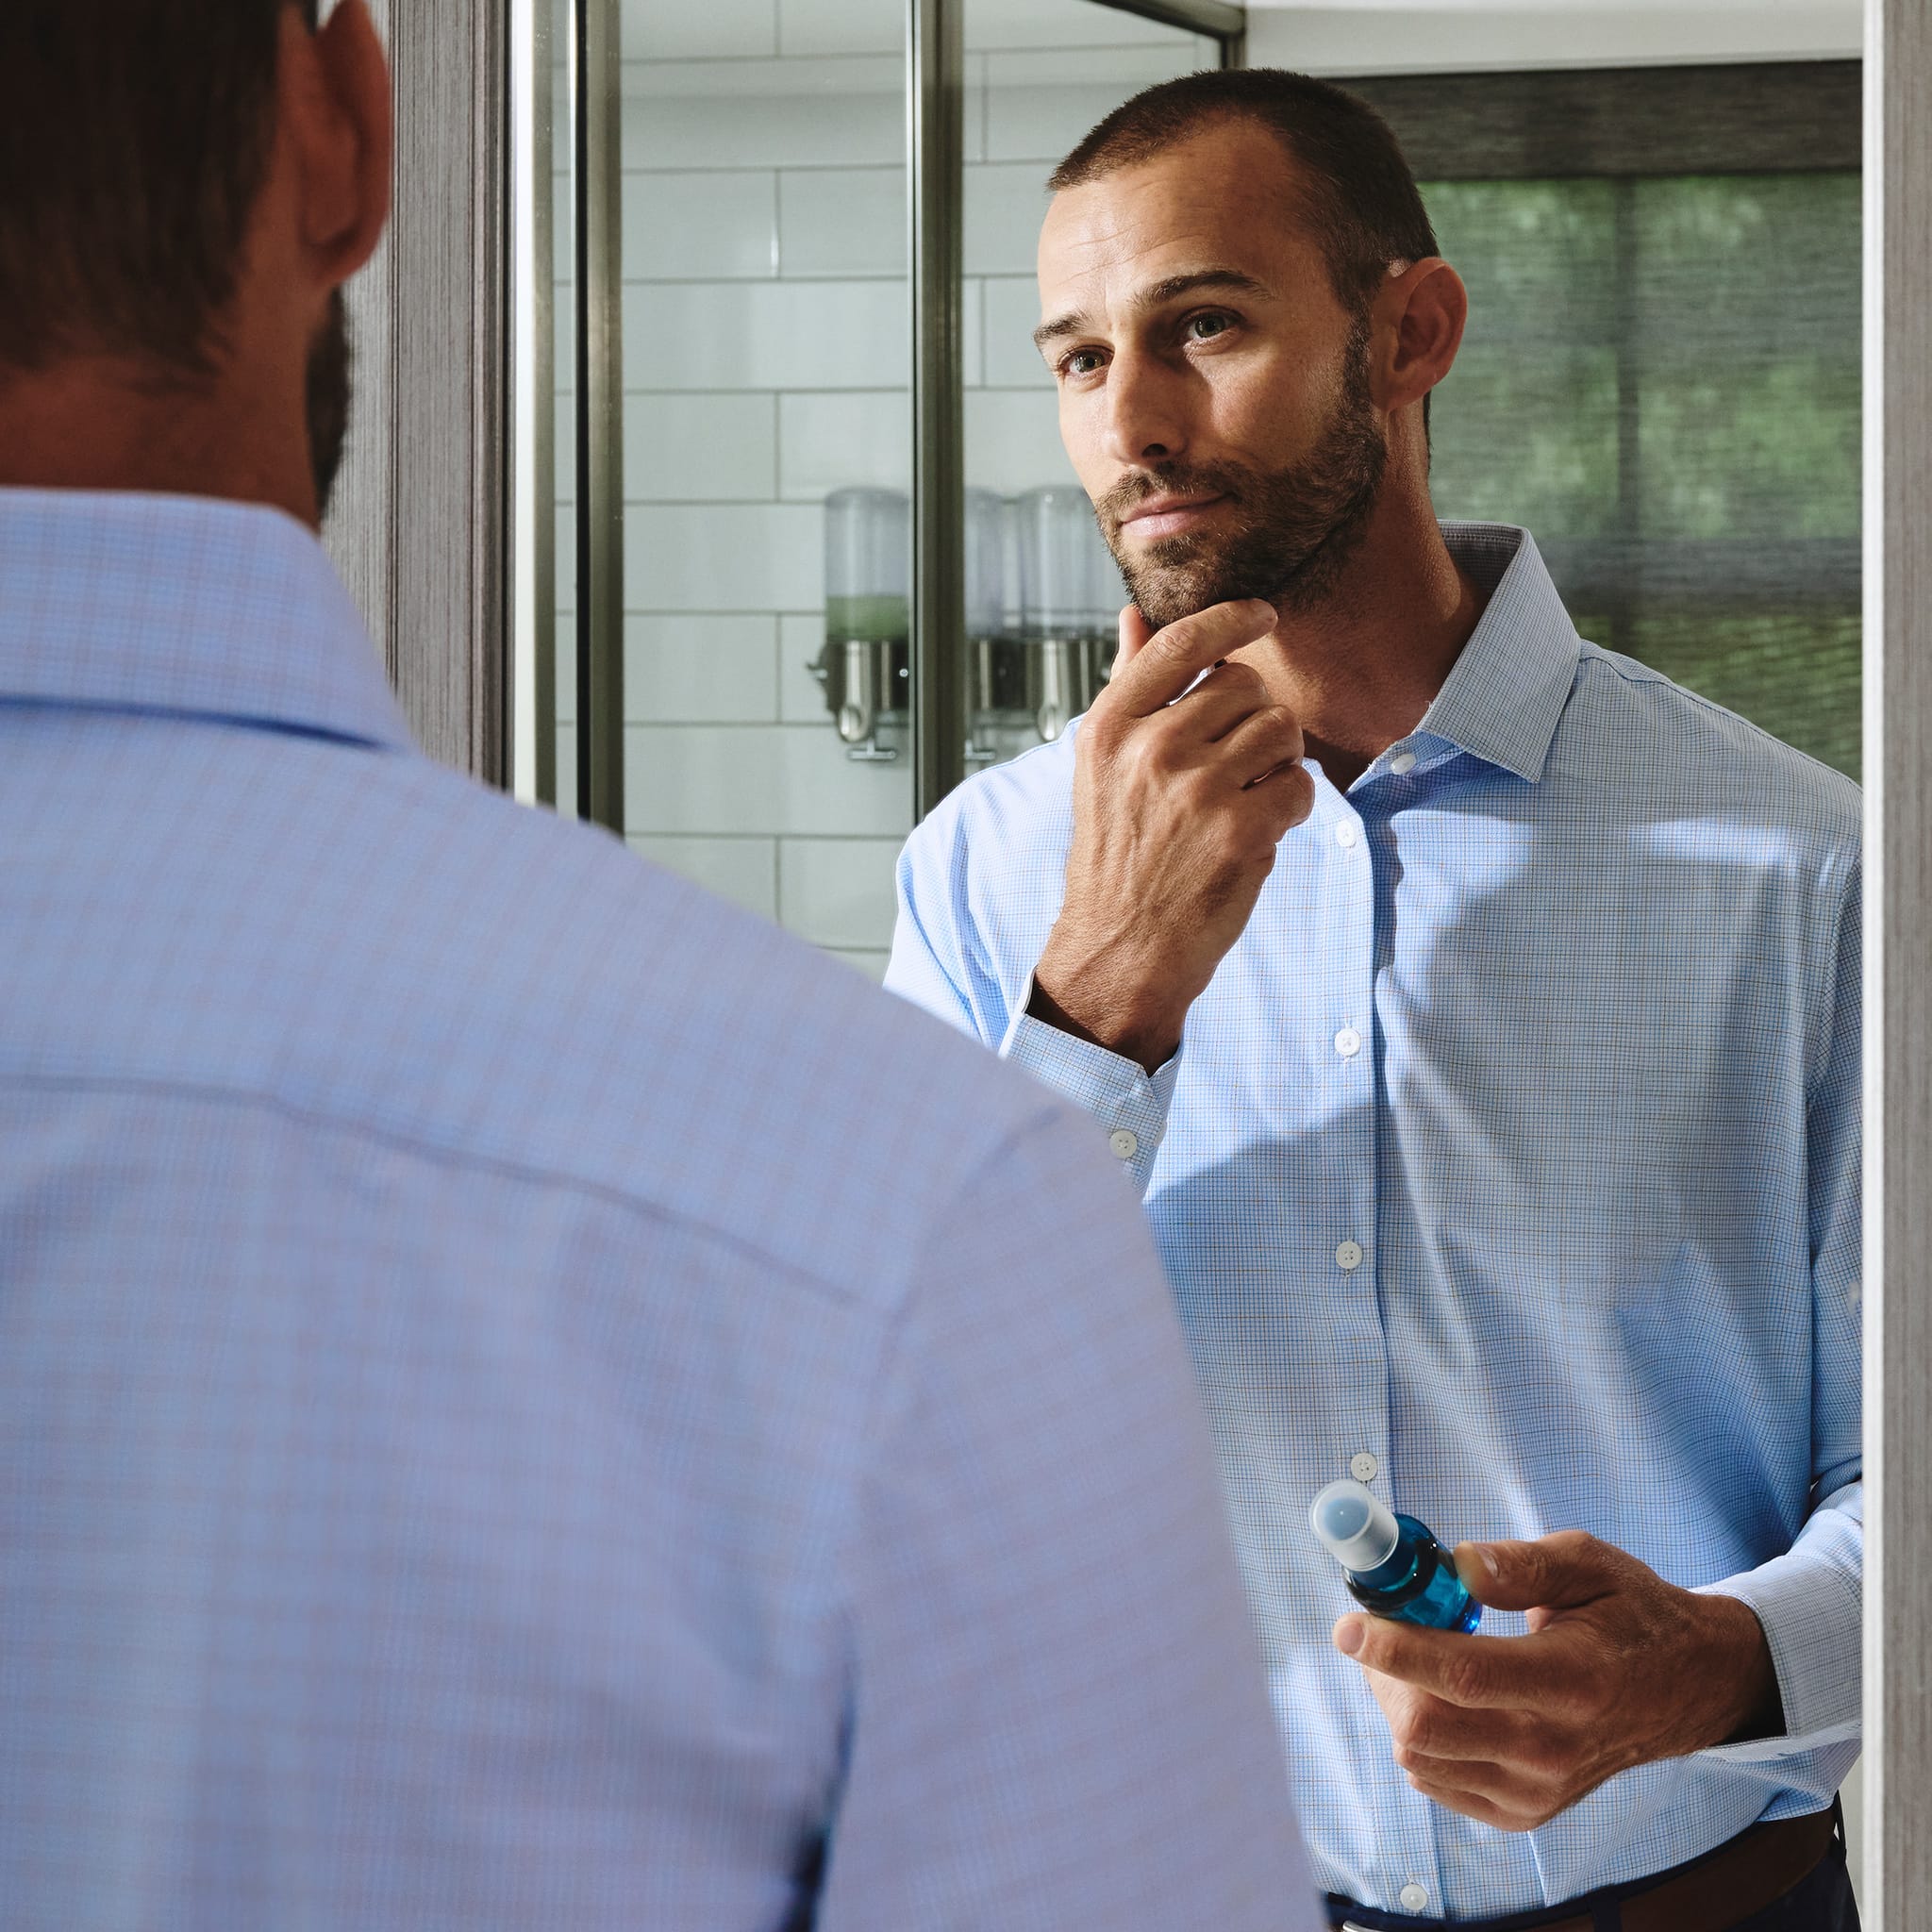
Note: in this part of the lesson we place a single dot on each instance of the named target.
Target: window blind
(1661, 374)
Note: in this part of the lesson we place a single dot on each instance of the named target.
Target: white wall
(1446, 36)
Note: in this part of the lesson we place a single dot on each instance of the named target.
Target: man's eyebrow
(1232, 279)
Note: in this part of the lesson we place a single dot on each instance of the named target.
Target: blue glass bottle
(1393, 1566)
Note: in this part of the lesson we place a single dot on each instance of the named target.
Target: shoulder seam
(1633, 672)
(460, 1158)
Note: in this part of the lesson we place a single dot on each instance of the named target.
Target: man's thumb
(1135, 631)
(1558, 1571)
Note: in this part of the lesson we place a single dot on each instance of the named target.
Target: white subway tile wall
(758, 779)
(828, 439)
(767, 362)
(842, 221)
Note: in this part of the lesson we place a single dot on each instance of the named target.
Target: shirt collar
(1505, 695)
(184, 605)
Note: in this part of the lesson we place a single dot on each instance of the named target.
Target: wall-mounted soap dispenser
(996, 651)
(865, 668)
(1041, 590)
(1069, 589)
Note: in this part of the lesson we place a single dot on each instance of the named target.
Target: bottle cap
(1354, 1525)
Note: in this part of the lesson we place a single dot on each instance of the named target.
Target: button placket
(1357, 1423)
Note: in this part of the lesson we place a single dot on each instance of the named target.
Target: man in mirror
(1477, 1013)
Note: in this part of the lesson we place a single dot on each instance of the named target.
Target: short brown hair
(134, 140)
(1361, 200)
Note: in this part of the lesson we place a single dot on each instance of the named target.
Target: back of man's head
(184, 185)
(134, 135)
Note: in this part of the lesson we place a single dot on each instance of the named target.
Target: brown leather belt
(1719, 1890)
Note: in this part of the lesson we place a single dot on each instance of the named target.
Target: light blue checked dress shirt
(528, 1398)
(1510, 1161)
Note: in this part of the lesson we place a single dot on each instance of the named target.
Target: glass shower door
(767, 439)
(732, 188)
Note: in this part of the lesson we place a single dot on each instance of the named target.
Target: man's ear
(333, 100)
(1419, 316)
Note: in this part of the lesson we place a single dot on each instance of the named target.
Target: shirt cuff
(1129, 1104)
(1811, 1615)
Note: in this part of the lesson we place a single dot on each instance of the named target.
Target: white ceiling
(1767, 9)
(1369, 36)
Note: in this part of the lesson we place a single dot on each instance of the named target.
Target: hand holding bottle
(1619, 1668)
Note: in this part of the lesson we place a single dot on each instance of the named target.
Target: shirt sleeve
(1810, 1599)
(1130, 1104)
(938, 965)
(1057, 1714)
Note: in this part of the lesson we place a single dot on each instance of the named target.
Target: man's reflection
(1478, 1012)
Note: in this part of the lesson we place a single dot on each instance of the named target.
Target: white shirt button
(1348, 1042)
(1345, 835)
(1125, 1142)
(1402, 761)
(1348, 1255)
(1363, 1466)
(1413, 1896)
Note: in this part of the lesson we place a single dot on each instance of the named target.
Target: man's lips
(1166, 516)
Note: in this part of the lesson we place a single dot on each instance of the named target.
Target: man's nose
(1146, 411)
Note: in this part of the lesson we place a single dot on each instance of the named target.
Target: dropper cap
(1355, 1526)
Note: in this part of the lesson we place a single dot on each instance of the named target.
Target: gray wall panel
(420, 522)
(1898, 986)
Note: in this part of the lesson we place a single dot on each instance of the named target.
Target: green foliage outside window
(1661, 379)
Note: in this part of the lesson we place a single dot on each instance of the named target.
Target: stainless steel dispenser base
(866, 682)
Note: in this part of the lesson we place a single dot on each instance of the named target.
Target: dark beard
(328, 391)
(1290, 532)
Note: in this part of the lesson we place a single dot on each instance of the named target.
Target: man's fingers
(1425, 1725)
(1219, 703)
(1499, 1673)
(1260, 743)
(1484, 1811)
(1134, 631)
(1288, 795)
(1560, 1572)
(1480, 1778)
(1158, 670)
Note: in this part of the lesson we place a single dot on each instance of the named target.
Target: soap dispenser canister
(864, 666)
(1393, 1565)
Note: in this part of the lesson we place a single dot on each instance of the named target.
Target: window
(1661, 375)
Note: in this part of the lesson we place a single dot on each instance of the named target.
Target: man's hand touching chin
(1185, 779)
(1618, 1668)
